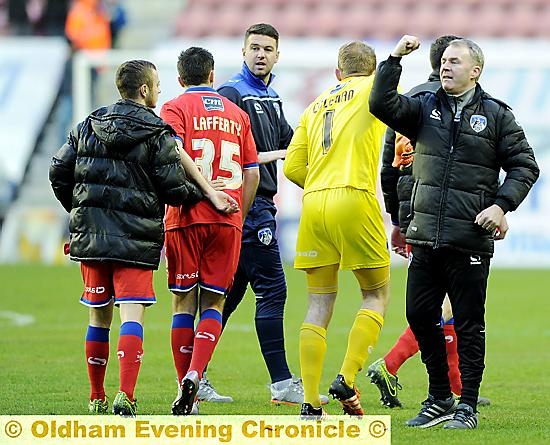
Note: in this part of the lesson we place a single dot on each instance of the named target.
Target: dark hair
(262, 29)
(195, 65)
(131, 75)
(437, 49)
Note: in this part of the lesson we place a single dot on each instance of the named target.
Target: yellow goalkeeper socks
(313, 345)
(361, 340)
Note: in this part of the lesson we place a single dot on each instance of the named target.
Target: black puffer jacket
(457, 164)
(115, 173)
(397, 183)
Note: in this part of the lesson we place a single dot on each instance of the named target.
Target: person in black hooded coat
(114, 175)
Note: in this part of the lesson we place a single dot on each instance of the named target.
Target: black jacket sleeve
(62, 171)
(172, 185)
(397, 111)
(517, 160)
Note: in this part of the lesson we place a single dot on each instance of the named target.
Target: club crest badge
(265, 236)
(277, 109)
(478, 122)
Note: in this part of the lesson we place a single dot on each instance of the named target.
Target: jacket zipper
(454, 136)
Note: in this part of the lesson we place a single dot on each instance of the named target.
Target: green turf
(42, 368)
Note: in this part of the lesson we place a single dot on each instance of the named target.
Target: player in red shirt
(202, 244)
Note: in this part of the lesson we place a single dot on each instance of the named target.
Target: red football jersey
(217, 136)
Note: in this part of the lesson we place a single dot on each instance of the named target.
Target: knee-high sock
(97, 356)
(452, 358)
(207, 336)
(405, 347)
(361, 340)
(182, 338)
(313, 345)
(130, 352)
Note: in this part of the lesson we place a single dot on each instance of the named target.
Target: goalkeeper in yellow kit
(334, 157)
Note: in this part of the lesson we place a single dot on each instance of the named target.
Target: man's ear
(143, 90)
(181, 82)
(338, 73)
(476, 72)
(211, 77)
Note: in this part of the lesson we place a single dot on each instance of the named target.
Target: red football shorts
(203, 254)
(104, 281)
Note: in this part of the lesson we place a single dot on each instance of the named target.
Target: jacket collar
(474, 99)
(251, 79)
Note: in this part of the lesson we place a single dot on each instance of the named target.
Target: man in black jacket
(463, 138)
(114, 175)
(397, 183)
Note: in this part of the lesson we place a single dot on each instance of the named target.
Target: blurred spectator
(117, 19)
(88, 25)
(37, 17)
(88, 28)
(3, 17)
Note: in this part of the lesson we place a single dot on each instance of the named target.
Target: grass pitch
(42, 368)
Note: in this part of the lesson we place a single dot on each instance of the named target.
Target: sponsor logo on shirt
(212, 103)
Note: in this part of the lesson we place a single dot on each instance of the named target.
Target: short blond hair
(356, 58)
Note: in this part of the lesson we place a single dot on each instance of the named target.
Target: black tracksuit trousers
(432, 274)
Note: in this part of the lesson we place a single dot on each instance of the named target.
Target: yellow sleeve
(295, 165)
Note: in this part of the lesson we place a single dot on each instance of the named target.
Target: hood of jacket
(125, 124)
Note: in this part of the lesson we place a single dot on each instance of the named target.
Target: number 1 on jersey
(328, 118)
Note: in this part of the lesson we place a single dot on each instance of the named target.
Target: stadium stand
(374, 19)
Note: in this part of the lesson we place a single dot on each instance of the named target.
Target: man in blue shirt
(260, 261)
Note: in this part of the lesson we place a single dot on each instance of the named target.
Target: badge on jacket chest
(478, 122)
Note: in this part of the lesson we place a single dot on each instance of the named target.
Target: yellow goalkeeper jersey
(338, 141)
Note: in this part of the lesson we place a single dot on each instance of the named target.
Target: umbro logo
(186, 349)
(435, 114)
(475, 260)
(449, 338)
